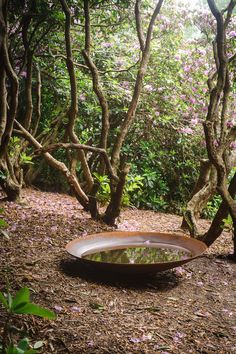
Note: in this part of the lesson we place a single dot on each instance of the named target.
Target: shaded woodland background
(121, 103)
(112, 104)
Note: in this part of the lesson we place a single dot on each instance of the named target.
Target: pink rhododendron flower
(187, 69)
(125, 84)
(149, 88)
(136, 46)
(177, 57)
(229, 124)
(186, 130)
(120, 62)
(199, 283)
(178, 336)
(192, 100)
(194, 121)
(141, 339)
(179, 271)
(106, 44)
(135, 340)
(90, 343)
(82, 97)
(23, 74)
(75, 309)
(232, 33)
(57, 308)
(202, 51)
(233, 145)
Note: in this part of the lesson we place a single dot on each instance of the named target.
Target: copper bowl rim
(165, 236)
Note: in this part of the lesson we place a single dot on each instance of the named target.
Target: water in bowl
(140, 255)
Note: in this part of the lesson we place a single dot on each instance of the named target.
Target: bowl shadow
(161, 281)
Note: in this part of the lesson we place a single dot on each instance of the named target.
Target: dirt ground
(191, 309)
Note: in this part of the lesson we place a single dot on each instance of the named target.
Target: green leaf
(22, 297)
(23, 344)
(9, 298)
(11, 350)
(17, 350)
(96, 306)
(3, 300)
(3, 223)
(32, 309)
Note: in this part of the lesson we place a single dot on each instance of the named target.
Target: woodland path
(191, 309)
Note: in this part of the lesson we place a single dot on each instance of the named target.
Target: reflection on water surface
(139, 255)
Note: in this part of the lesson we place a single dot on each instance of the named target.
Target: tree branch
(53, 147)
(96, 80)
(80, 195)
(137, 90)
(72, 113)
(139, 27)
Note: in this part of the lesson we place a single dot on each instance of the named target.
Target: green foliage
(20, 304)
(166, 141)
(15, 149)
(228, 223)
(212, 207)
(132, 187)
(3, 225)
(23, 347)
(26, 159)
(104, 191)
(3, 175)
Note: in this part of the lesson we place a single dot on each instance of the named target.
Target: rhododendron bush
(94, 91)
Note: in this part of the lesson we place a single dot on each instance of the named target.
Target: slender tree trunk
(72, 113)
(28, 91)
(3, 98)
(145, 48)
(12, 182)
(216, 229)
(204, 189)
(114, 207)
(218, 107)
(38, 102)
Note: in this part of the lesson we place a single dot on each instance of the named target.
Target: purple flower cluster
(232, 34)
(186, 130)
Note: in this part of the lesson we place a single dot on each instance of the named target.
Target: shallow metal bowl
(122, 239)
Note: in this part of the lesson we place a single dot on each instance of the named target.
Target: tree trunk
(203, 191)
(215, 124)
(71, 179)
(11, 181)
(216, 229)
(11, 176)
(113, 210)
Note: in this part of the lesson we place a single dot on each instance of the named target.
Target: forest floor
(190, 309)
